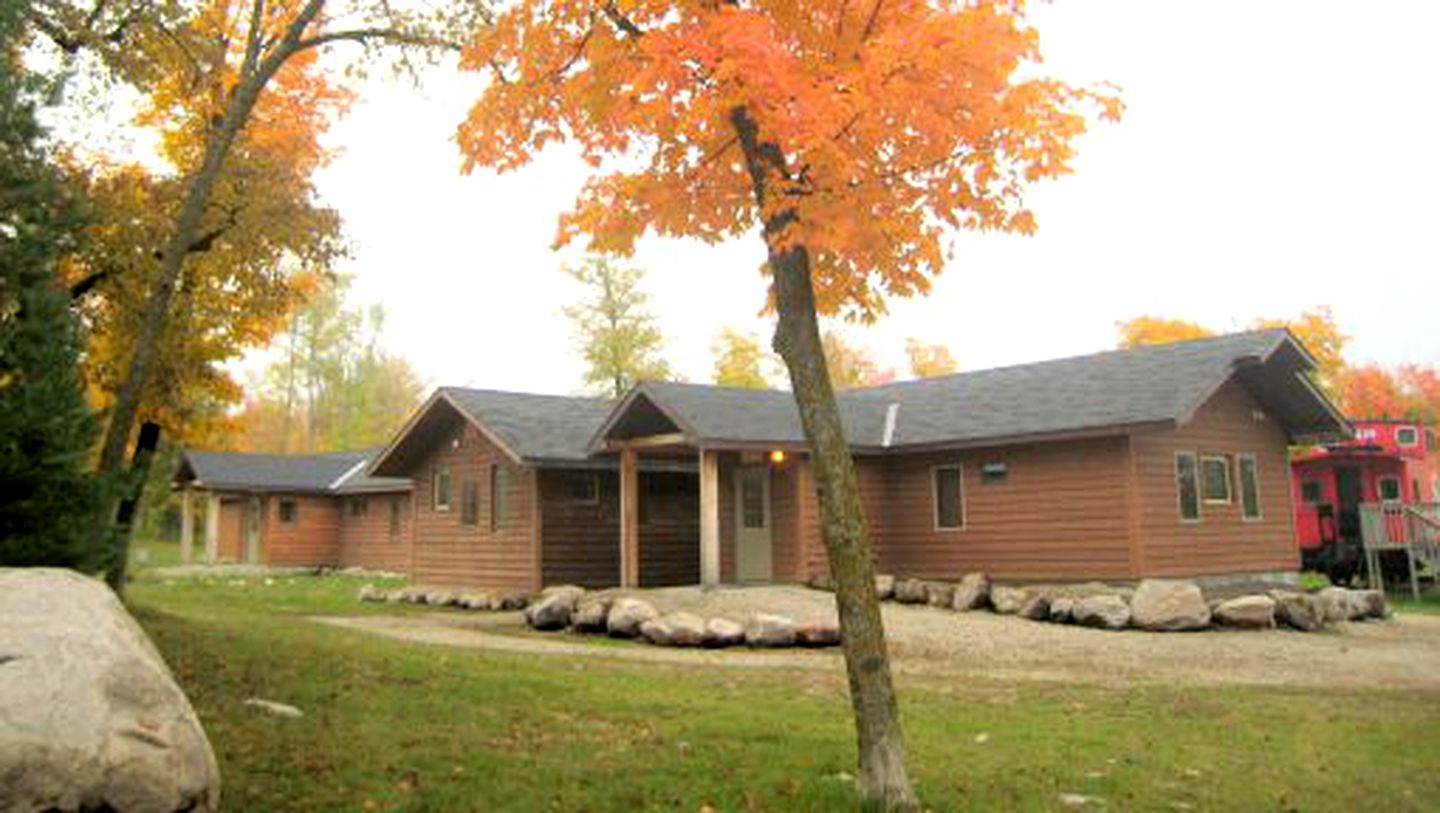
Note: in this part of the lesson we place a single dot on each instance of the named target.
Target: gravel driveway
(1402, 653)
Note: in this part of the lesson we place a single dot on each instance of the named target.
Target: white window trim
(1239, 471)
(1414, 437)
(435, 489)
(935, 498)
(1199, 499)
(1229, 480)
(1399, 489)
(593, 478)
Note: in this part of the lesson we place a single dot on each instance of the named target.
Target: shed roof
(325, 473)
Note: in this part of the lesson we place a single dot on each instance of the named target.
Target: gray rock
(1007, 600)
(885, 587)
(1371, 603)
(440, 598)
(1167, 605)
(1062, 610)
(516, 600)
(766, 630)
(90, 716)
(571, 590)
(972, 593)
(626, 616)
(478, 601)
(1035, 607)
(817, 632)
(273, 708)
(685, 629)
(1106, 612)
(413, 595)
(911, 591)
(551, 612)
(939, 594)
(1248, 612)
(591, 613)
(722, 632)
(1297, 610)
(370, 592)
(656, 632)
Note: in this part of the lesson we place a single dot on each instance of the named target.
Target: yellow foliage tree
(739, 360)
(929, 360)
(1148, 330)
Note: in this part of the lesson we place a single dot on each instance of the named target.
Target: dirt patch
(1402, 653)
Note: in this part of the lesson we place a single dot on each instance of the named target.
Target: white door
(254, 514)
(752, 524)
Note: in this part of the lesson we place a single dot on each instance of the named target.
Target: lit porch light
(777, 457)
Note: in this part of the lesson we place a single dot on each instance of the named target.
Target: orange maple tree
(856, 136)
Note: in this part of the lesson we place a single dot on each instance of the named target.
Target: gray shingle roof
(1085, 393)
(309, 473)
(538, 428)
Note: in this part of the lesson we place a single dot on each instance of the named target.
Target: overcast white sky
(1275, 155)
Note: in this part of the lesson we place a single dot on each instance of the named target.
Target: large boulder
(626, 616)
(686, 629)
(911, 591)
(939, 594)
(884, 587)
(722, 632)
(515, 600)
(370, 592)
(1165, 605)
(1035, 607)
(1007, 600)
(90, 716)
(1247, 612)
(972, 593)
(591, 613)
(1062, 610)
(478, 600)
(552, 612)
(1297, 610)
(817, 632)
(1371, 603)
(766, 630)
(440, 597)
(1104, 611)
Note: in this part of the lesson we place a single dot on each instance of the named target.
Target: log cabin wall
(310, 538)
(375, 531)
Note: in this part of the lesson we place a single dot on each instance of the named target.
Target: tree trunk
(883, 783)
(145, 446)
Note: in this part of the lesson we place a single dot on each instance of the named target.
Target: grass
(393, 726)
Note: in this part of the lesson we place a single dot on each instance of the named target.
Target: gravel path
(1403, 653)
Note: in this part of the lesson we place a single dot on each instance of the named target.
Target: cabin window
(1187, 486)
(1406, 436)
(1311, 492)
(1215, 479)
(1389, 489)
(994, 473)
(583, 487)
(499, 496)
(440, 488)
(395, 509)
(1249, 486)
(469, 503)
(949, 492)
(752, 497)
(289, 510)
(358, 506)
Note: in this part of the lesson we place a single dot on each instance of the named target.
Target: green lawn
(392, 726)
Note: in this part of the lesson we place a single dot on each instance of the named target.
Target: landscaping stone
(275, 709)
(439, 598)
(885, 587)
(685, 629)
(1007, 600)
(90, 716)
(1297, 610)
(551, 612)
(972, 593)
(911, 591)
(1062, 610)
(656, 632)
(477, 601)
(513, 601)
(722, 632)
(939, 594)
(766, 630)
(413, 595)
(1035, 607)
(1372, 603)
(817, 632)
(591, 613)
(370, 592)
(1248, 612)
(574, 591)
(1106, 612)
(626, 616)
(1166, 605)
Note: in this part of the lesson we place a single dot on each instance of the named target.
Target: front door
(752, 524)
(1350, 492)
(254, 514)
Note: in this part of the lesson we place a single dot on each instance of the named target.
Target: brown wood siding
(670, 532)
(1061, 513)
(313, 538)
(232, 530)
(1221, 542)
(785, 540)
(450, 553)
(581, 540)
(728, 462)
(366, 540)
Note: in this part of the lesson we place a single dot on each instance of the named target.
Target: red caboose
(1386, 462)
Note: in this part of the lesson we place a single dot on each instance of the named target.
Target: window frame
(1240, 460)
(499, 497)
(294, 512)
(437, 474)
(396, 520)
(1225, 461)
(358, 507)
(995, 473)
(590, 477)
(1414, 437)
(959, 469)
(470, 503)
(1380, 489)
(1179, 495)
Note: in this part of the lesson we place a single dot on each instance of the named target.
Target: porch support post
(709, 518)
(187, 525)
(629, 520)
(212, 528)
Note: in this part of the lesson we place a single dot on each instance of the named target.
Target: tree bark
(883, 783)
(145, 445)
